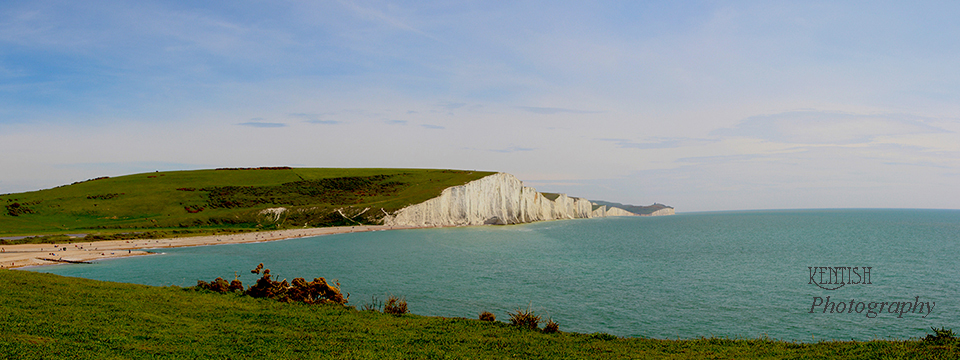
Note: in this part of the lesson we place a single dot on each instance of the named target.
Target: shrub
(219, 285)
(17, 209)
(487, 316)
(525, 319)
(551, 327)
(395, 306)
(940, 336)
(104, 196)
(236, 285)
(317, 291)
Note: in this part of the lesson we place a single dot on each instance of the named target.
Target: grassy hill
(47, 316)
(225, 199)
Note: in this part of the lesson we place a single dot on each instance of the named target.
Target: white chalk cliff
(496, 199)
(662, 212)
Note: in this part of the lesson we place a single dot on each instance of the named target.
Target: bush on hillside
(317, 291)
(17, 209)
(487, 316)
(525, 319)
(395, 306)
(940, 336)
(551, 327)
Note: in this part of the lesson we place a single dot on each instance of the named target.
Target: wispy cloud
(921, 164)
(258, 124)
(507, 150)
(512, 149)
(720, 159)
(658, 142)
(825, 127)
(553, 110)
(324, 122)
(383, 18)
(315, 119)
(452, 105)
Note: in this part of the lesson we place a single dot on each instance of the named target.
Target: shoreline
(29, 255)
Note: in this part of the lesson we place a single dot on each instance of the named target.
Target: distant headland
(270, 203)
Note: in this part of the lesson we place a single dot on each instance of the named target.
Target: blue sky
(700, 105)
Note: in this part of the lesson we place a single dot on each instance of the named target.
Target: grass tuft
(551, 327)
(374, 305)
(395, 306)
(525, 319)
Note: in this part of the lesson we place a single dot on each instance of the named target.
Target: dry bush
(219, 285)
(236, 285)
(395, 306)
(525, 319)
(317, 291)
(551, 327)
(487, 316)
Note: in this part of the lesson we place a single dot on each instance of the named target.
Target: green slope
(45, 316)
(223, 199)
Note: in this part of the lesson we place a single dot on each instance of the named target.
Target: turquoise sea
(728, 274)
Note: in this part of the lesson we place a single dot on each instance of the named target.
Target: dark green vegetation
(46, 316)
(636, 209)
(226, 200)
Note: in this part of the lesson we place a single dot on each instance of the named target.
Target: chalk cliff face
(496, 199)
(664, 211)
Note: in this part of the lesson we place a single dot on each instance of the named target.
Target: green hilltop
(229, 199)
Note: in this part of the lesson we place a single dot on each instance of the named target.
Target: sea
(793, 275)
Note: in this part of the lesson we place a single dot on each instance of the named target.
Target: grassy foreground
(172, 203)
(45, 316)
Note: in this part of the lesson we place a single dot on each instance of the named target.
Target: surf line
(893, 307)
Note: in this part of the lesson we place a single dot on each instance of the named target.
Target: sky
(704, 106)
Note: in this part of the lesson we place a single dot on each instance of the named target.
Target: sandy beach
(14, 256)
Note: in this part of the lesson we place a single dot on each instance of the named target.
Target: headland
(267, 204)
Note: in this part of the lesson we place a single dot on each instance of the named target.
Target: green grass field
(227, 200)
(45, 316)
